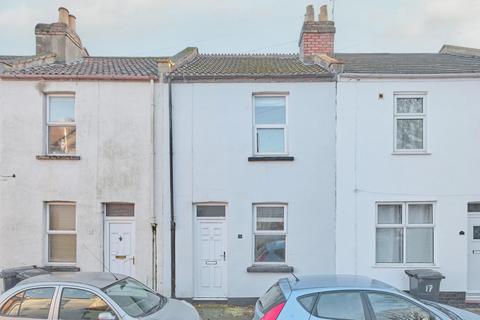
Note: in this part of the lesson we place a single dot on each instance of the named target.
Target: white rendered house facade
(211, 176)
(406, 191)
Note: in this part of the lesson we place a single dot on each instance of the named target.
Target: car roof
(95, 279)
(337, 282)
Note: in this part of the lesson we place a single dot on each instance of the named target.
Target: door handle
(224, 255)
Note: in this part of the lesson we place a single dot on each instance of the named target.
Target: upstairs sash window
(61, 127)
(270, 125)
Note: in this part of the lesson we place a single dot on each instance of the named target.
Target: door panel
(474, 254)
(121, 247)
(210, 261)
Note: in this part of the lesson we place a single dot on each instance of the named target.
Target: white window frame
(410, 116)
(59, 124)
(406, 225)
(270, 126)
(61, 232)
(283, 232)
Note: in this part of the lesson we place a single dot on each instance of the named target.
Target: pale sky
(164, 27)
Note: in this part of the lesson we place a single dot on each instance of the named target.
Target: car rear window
(273, 297)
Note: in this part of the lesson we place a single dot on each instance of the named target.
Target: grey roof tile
(222, 66)
(252, 66)
(14, 59)
(408, 63)
(96, 66)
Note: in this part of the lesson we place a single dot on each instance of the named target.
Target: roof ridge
(386, 53)
(126, 57)
(248, 55)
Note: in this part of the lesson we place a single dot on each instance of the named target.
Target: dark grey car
(90, 296)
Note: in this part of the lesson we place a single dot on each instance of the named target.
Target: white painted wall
(114, 140)
(213, 140)
(365, 163)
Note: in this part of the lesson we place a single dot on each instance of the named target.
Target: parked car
(347, 298)
(90, 296)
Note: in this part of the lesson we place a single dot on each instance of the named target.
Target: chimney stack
(316, 37)
(60, 38)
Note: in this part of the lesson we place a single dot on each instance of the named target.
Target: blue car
(347, 298)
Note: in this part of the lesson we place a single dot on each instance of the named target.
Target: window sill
(411, 153)
(270, 158)
(270, 269)
(61, 268)
(57, 157)
(406, 266)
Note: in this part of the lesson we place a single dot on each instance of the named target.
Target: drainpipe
(154, 189)
(172, 202)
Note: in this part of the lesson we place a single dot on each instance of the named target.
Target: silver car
(89, 296)
(347, 298)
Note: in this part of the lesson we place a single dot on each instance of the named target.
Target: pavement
(213, 311)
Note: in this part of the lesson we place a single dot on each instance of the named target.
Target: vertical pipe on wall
(172, 207)
(154, 189)
(355, 156)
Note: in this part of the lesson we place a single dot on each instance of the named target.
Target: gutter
(409, 76)
(76, 77)
(327, 77)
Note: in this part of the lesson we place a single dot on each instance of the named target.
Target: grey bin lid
(31, 273)
(13, 272)
(425, 274)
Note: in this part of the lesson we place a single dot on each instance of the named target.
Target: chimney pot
(63, 15)
(72, 22)
(310, 14)
(323, 16)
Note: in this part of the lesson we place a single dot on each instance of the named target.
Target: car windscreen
(134, 298)
(273, 297)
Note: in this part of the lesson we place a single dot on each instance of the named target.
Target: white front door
(210, 259)
(121, 247)
(474, 255)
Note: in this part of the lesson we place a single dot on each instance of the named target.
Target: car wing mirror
(106, 316)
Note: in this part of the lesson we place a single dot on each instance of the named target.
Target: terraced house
(77, 132)
(209, 176)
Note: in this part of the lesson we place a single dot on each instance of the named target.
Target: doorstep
(472, 298)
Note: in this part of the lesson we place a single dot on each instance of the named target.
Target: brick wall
(452, 298)
(317, 43)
